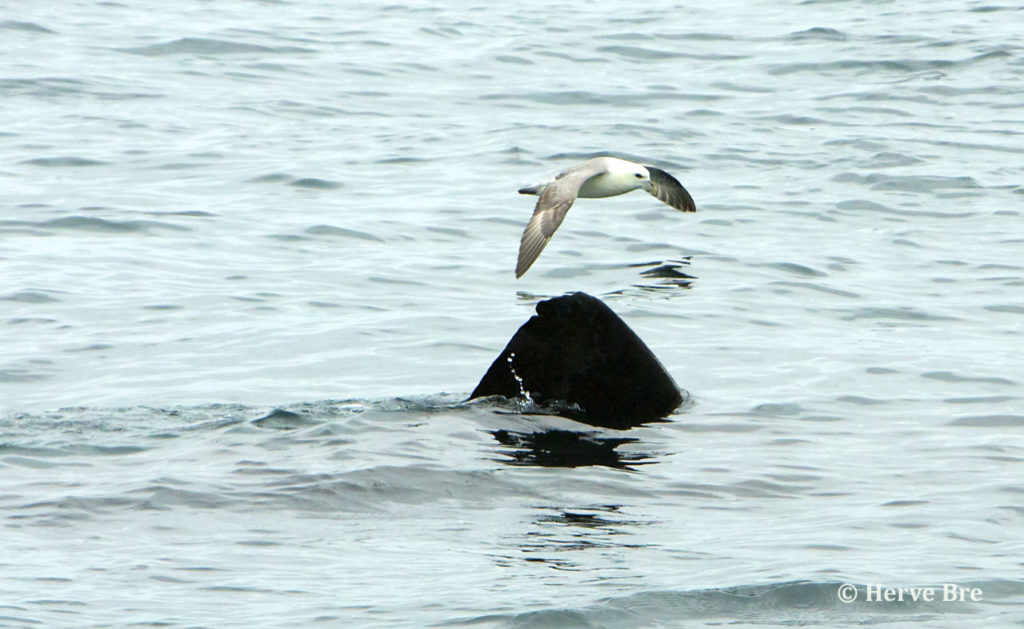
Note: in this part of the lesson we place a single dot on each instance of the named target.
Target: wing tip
(675, 193)
(525, 261)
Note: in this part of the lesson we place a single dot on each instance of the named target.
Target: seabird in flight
(594, 178)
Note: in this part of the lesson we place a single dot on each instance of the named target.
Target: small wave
(318, 184)
(1007, 308)
(95, 347)
(300, 182)
(984, 399)
(989, 8)
(707, 37)
(860, 67)
(281, 419)
(735, 87)
(909, 183)
(513, 59)
(990, 421)
(272, 178)
(28, 27)
(67, 161)
(860, 400)
(818, 32)
(651, 54)
(588, 97)
(796, 269)
(949, 376)
(402, 160)
(904, 315)
(793, 120)
(29, 297)
(778, 409)
(205, 46)
(94, 224)
(343, 232)
(870, 206)
(818, 288)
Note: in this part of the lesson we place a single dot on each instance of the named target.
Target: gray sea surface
(255, 255)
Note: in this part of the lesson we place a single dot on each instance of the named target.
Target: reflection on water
(667, 274)
(583, 528)
(656, 276)
(660, 276)
(567, 448)
(555, 537)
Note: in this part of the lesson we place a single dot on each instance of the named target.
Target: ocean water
(255, 255)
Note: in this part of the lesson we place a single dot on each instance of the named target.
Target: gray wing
(555, 200)
(668, 189)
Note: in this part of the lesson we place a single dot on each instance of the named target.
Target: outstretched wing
(668, 189)
(555, 200)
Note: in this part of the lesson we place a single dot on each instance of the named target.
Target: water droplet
(519, 381)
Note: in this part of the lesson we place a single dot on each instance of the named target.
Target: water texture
(255, 255)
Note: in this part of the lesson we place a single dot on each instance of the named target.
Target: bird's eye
(638, 175)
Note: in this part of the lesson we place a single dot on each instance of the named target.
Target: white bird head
(628, 174)
(641, 177)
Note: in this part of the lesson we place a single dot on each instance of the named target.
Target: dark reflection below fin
(566, 448)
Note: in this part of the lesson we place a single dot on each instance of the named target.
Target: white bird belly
(606, 185)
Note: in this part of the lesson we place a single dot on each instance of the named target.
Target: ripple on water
(272, 178)
(28, 27)
(949, 376)
(828, 290)
(30, 297)
(818, 33)
(342, 232)
(795, 269)
(861, 67)
(207, 46)
(860, 205)
(69, 161)
(96, 224)
(22, 374)
(909, 183)
(1007, 308)
(642, 53)
(990, 421)
(314, 183)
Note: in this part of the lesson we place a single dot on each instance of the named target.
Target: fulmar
(594, 178)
